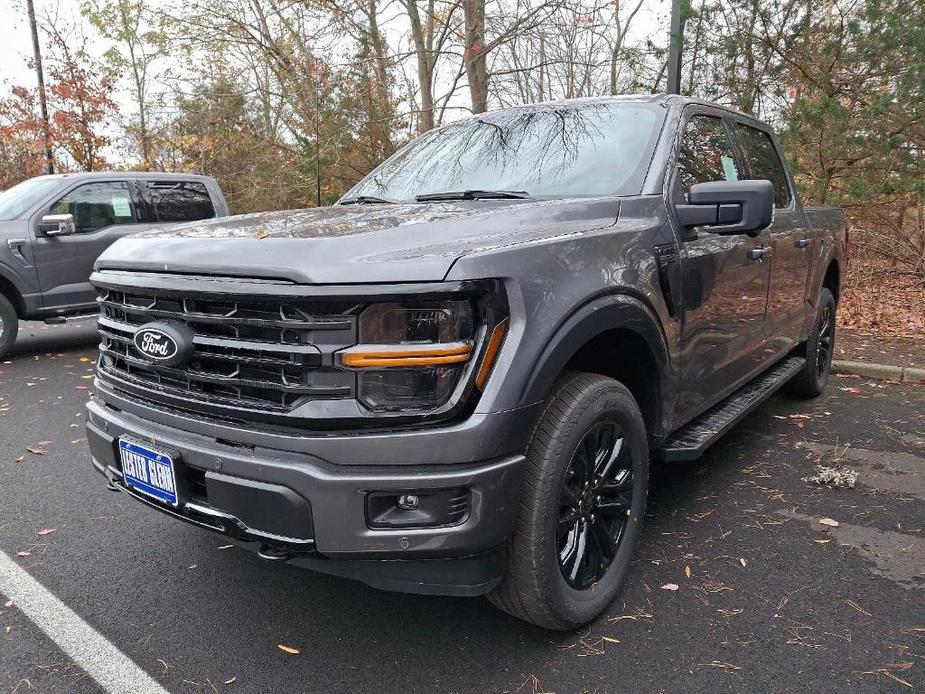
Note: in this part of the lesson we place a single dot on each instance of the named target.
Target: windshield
(568, 150)
(20, 198)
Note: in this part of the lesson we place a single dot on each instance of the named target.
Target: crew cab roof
(666, 99)
(90, 175)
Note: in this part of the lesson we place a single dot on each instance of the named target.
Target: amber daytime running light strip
(384, 356)
(494, 344)
(407, 355)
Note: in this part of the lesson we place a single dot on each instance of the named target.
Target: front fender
(16, 290)
(610, 312)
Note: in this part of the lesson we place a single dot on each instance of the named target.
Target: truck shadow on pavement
(38, 338)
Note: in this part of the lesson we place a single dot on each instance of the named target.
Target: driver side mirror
(57, 225)
(728, 207)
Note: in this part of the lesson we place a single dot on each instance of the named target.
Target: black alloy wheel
(582, 503)
(595, 501)
(826, 342)
(819, 350)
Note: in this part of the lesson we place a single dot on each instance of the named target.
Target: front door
(791, 241)
(725, 279)
(103, 211)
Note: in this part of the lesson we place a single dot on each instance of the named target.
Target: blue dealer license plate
(148, 471)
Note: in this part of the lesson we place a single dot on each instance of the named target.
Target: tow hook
(270, 553)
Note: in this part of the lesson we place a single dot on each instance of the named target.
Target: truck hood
(349, 244)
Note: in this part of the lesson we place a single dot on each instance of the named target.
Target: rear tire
(9, 325)
(586, 481)
(820, 348)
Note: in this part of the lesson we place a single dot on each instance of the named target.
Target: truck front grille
(251, 353)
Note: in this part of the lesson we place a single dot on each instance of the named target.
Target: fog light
(423, 508)
(408, 502)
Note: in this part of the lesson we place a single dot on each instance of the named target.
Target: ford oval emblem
(166, 343)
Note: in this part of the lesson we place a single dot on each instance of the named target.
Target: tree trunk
(426, 62)
(475, 55)
(139, 78)
(380, 110)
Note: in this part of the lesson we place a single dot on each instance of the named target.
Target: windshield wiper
(364, 200)
(473, 195)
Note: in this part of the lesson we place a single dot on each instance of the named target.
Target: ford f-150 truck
(453, 380)
(52, 228)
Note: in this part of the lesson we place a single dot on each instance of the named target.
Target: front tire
(582, 504)
(820, 349)
(9, 325)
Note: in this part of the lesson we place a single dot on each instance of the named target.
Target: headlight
(411, 356)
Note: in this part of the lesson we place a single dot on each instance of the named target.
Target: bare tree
(430, 34)
(126, 23)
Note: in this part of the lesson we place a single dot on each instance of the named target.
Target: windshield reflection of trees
(530, 148)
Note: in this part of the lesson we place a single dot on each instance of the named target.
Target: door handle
(756, 253)
(803, 243)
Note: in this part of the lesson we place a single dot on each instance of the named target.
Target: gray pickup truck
(52, 228)
(453, 380)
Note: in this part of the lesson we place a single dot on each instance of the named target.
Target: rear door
(103, 211)
(791, 239)
(724, 277)
(177, 200)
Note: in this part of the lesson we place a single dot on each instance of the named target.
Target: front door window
(96, 206)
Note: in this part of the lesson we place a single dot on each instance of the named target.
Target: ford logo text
(167, 343)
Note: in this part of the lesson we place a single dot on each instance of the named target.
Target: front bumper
(300, 508)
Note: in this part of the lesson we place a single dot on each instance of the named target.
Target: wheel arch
(831, 280)
(595, 338)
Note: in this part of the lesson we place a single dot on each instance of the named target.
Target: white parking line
(110, 667)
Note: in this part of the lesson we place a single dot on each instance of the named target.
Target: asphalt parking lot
(768, 599)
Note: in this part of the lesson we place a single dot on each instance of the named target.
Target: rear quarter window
(762, 161)
(180, 201)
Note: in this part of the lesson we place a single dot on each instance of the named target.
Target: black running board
(689, 442)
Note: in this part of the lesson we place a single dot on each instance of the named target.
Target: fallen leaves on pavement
(288, 649)
(831, 522)
(852, 603)
(721, 665)
(884, 671)
(833, 477)
(586, 647)
(46, 531)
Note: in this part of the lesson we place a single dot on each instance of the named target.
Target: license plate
(148, 471)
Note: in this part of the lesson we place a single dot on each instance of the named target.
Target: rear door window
(180, 201)
(706, 153)
(762, 161)
(97, 206)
